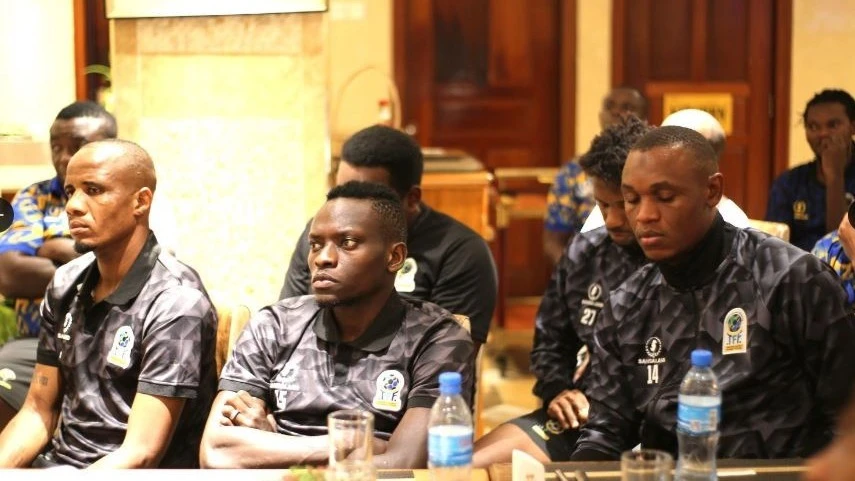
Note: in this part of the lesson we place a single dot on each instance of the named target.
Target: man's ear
(715, 189)
(397, 256)
(413, 198)
(142, 201)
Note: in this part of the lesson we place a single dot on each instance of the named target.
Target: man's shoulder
(797, 175)
(449, 229)
(42, 187)
(292, 310)
(769, 255)
(590, 241)
(67, 274)
(423, 316)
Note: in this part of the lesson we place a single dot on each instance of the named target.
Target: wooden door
(494, 78)
(736, 47)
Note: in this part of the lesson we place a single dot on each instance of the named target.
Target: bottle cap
(449, 383)
(701, 358)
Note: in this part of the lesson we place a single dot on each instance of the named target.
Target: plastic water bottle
(698, 414)
(450, 433)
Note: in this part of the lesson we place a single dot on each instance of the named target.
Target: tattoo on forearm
(43, 380)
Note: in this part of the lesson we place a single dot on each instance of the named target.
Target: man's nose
(327, 256)
(647, 211)
(75, 205)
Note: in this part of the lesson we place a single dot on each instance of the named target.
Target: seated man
(812, 198)
(569, 201)
(706, 125)
(448, 263)
(593, 264)
(773, 315)
(126, 349)
(354, 344)
(39, 241)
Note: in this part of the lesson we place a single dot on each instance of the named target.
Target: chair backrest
(777, 229)
(230, 322)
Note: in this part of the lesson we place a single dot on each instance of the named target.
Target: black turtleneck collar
(696, 267)
(633, 250)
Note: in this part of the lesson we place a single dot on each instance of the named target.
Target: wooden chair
(777, 229)
(230, 323)
(478, 397)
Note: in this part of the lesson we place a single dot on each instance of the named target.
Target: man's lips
(323, 280)
(77, 226)
(650, 239)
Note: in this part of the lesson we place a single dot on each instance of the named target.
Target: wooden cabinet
(462, 195)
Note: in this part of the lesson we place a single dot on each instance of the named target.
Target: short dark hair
(674, 136)
(391, 149)
(87, 108)
(384, 201)
(607, 155)
(832, 96)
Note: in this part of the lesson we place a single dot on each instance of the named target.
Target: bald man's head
(702, 123)
(129, 162)
(110, 185)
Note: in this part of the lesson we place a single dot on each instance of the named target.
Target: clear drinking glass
(646, 465)
(351, 437)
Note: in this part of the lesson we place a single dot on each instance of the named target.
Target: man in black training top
(354, 344)
(593, 263)
(774, 316)
(448, 263)
(125, 360)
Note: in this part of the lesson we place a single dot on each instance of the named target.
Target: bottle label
(450, 446)
(698, 419)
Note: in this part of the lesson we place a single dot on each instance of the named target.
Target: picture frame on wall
(195, 8)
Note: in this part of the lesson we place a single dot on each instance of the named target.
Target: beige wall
(37, 63)
(233, 111)
(360, 63)
(823, 40)
(593, 67)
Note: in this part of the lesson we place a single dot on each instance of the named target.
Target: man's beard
(82, 248)
(336, 302)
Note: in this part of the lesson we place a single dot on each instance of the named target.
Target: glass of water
(646, 465)
(351, 438)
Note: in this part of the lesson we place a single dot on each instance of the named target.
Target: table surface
(729, 470)
(223, 474)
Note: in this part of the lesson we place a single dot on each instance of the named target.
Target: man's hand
(250, 412)
(834, 152)
(570, 408)
(846, 233)
(59, 249)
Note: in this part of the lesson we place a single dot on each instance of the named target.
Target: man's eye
(93, 190)
(348, 243)
(630, 200)
(314, 246)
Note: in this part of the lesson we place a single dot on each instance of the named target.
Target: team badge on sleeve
(387, 397)
(123, 344)
(735, 337)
